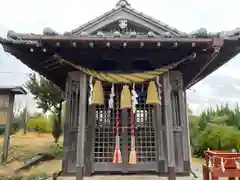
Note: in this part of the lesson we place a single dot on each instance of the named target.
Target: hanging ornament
(210, 164)
(222, 165)
(91, 90)
(125, 98)
(134, 99)
(111, 97)
(237, 164)
(98, 95)
(152, 94)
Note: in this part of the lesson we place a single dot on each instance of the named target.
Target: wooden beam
(115, 39)
(169, 127)
(217, 44)
(81, 126)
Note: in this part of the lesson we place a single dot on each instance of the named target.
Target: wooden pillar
(169, 127)
(185, 132)
(65, 127)
(159, 125)
(181, 122)
(81, 127)
(90, 135)
(8, 129)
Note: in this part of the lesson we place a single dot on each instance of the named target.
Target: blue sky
(186, 15)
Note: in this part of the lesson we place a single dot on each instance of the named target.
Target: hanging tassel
(111, 96)
(91, 90)
(222, 165)
(98, 95)
(152, 94)
(126, 97)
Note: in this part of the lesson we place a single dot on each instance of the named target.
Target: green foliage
(216, 129)
(219, 137)
(39, 124)
(194, 132)
(49, 98)
(56, 126)
(47, 94)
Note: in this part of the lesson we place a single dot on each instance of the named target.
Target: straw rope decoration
(124, 78)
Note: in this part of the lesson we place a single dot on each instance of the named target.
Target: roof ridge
(122, 3)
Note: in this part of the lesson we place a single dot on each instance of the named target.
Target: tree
(56, 127)
(217, 129)
(49, 97)
(20, 120)
(219, 137)
(194, 132)
(39, 124)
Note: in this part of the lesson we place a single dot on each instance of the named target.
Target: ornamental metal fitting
(123, 23)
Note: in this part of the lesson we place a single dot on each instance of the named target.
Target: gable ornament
(123, 23)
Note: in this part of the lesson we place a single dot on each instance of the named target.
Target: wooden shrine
(7, 95)
(125, 77)
(221, 164)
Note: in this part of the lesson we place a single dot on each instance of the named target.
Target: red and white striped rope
(117, 115)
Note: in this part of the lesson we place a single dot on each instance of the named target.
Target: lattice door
(105, 130)
(144, 129)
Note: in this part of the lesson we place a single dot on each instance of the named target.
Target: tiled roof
(14, 89)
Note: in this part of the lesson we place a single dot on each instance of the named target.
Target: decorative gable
(125, 15)
(125, 27)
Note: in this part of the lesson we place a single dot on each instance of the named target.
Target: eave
(45, 64)
(17, 90)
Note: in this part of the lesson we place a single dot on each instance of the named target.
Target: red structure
(221, 164)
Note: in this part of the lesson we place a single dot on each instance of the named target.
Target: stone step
(115, 178)
(134, 177)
